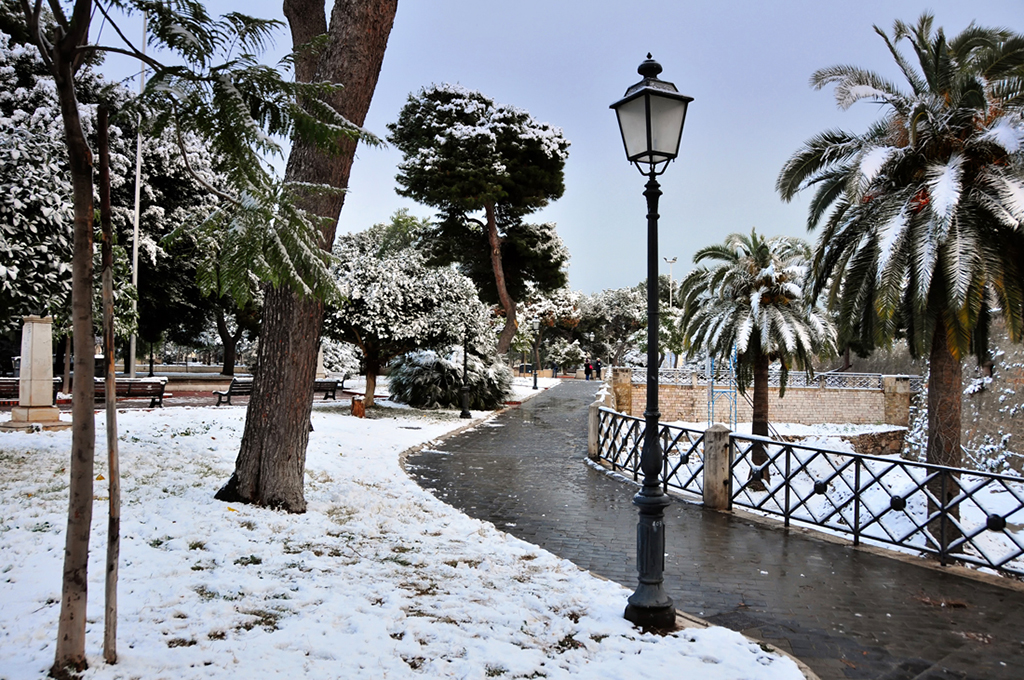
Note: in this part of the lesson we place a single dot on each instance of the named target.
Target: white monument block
(35, 409)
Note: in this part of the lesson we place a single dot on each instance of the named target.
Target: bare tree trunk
(372, 371)
(113, 464)
(229, 340)
(70, 650)
(507, 303)
(271, 462)
(944, 389)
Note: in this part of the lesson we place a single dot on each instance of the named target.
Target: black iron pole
(536, 358)
(465, 376)
(650, 606)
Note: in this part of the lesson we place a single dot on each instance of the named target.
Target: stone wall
(887, 443)
(805, 405)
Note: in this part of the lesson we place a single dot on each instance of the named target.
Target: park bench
(328, 386)
(239, 387)
(134, 388)
(10, 389)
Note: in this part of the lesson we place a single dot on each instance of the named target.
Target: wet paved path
(846, 613)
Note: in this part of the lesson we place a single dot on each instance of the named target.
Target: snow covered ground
(377, 580)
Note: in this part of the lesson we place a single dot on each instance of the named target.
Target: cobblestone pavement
(847, 613)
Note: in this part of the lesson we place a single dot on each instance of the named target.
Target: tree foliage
(610, 321)
(922, 215)
(394, 303)
(465, 155)
(430, 379)
(752, 303)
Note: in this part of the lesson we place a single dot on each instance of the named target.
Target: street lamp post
(535, 324)
(671, 287)
(651, 117)
(670, 261)
(465, 375)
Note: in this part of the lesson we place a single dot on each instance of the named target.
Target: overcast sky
(746, 64)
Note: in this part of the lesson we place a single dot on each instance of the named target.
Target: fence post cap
(718, 427)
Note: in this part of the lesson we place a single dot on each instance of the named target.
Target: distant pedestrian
(554, 369)
(597, 369)
(588, 368)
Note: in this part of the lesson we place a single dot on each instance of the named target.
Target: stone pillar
(717, 468)
(321, 372)
(35, 409)
(593, 425)
(622, 389)
(896, 391)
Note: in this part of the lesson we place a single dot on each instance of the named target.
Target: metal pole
(138, 195)
(465, 375)
(536, 357)
(650, 606)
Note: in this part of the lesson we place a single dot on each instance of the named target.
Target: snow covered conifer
(464, 154)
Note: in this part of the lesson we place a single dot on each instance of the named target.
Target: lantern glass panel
(667, 116)
(633, 124)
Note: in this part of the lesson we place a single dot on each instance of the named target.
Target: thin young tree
(921, 217)
(465, 155)
(752, 303)
(232, 105)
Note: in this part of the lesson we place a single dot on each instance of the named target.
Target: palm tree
(753, 303)
(924, 234)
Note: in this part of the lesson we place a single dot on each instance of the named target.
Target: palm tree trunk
(759, 419)
(944, 389)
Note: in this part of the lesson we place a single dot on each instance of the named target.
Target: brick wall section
(805, 405)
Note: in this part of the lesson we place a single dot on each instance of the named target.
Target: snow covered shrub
(568, 356)
(341, 358)
(426, 379)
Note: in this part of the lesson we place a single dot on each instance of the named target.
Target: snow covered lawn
(377, 580)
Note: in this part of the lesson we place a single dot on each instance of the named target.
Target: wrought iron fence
(956, 514)
(621, 441)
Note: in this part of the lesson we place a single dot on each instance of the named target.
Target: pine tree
(466, 155)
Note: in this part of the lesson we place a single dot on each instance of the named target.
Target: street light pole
(536, 349)
(651, 117)
(670, 261)
(465, 375)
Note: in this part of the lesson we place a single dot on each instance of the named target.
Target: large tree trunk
(270, 466)
(944, 389)
(507, 303)
(70, 651)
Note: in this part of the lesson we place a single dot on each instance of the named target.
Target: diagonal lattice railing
(955, 514)
(621, 441)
